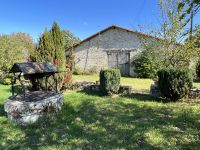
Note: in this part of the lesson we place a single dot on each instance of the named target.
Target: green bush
(175, 83)
(110, 81)
(6, 81)
(146, 65)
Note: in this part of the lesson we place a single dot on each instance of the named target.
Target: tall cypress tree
(51, 49)
(59, 50)
(45, 48)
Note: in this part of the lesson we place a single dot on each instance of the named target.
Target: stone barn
(113, 47)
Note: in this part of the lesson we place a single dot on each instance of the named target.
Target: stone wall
(93, 53)
(29, 110)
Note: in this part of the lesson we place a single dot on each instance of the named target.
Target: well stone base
(34, 106)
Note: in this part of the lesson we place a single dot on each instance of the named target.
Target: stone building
(113, 47)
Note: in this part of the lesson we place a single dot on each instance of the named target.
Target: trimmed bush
(174, 83)
(110, 81)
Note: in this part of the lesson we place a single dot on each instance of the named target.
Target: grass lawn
(138, 85)
(89, 121)
(142, 85)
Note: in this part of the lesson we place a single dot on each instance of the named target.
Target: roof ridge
(119, 27)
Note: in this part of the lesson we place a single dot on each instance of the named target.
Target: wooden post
(46, 83)
(56, 85)
(12, 87)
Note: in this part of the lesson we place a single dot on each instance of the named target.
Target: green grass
(4, 92)
(90, 121)
(138, 85)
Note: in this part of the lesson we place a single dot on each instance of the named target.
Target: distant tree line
(51, 47)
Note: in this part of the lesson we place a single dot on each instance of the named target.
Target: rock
(125, 89)
(194, 93)
(154, 90)
(82, 85)
(94, 87)
(35, 105)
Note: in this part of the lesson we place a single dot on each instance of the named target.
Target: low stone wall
(34, 106)
(96, 87)
(125, 89)
(82, 85)
(154, 90)
(194, 93)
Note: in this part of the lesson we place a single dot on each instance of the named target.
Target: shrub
(110, 81)
(146, 65)
(6, 81)
(174, 83)
(67, 80)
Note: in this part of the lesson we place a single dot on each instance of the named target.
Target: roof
(28, 68)
(118, 27)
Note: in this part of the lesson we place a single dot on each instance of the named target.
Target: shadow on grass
(107, 124)
(92, 92)
(138, 96)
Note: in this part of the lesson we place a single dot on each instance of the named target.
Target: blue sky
(82, 17)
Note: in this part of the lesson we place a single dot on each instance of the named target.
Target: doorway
(120, 60)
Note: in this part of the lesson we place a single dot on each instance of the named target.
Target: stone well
(28, 109)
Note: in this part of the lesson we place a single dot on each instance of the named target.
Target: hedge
(110, 81)
(175, 83)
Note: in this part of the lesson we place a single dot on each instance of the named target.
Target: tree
(51, 48)
(13, 48)
(189, 9)
(59, 49)
(69, 39)
(196, 37)
(147, 63)
(10, 52)
(28, 43)
(45, 50)
(168, 50)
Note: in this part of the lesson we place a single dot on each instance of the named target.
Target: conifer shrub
(51, 48)
(110, 81)
(175, 83)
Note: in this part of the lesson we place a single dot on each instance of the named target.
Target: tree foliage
(51, 48)
(187, 7)
(59, 49)
(13, 48)
(147, 63)
(196, 37)
(45, 49)
(169, 49)
(69, 39)
(174, 83)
